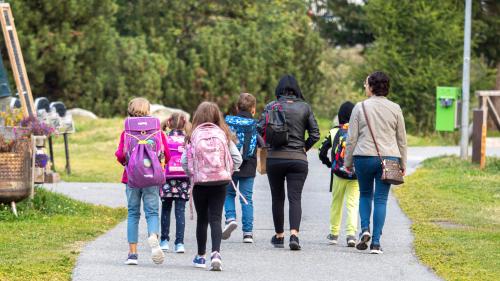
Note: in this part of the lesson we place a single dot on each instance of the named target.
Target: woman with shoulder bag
(377, 147)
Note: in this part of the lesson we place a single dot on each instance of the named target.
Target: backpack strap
(333, 133)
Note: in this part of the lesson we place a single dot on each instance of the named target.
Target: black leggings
(209, 202)
(295, 173)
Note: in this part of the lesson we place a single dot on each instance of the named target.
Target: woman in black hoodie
(289, 161)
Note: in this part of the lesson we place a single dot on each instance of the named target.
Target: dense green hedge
(96, 54)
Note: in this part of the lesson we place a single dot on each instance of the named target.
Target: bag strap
(371, 133)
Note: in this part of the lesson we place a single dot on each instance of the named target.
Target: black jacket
(249, 166)
(299, 119)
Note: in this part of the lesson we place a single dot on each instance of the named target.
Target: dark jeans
(209, 202)
(295, 174)
(180, 219)
(372, 190)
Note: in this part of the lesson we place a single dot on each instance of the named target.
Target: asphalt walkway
(103, 258)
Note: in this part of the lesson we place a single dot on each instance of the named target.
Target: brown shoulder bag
(391, 170)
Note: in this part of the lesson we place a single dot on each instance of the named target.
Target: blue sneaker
(216, 262)
(132, 259)
(199, 262)
(179, 248)
(164, 245)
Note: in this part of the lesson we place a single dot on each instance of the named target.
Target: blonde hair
(208, 112)
(176, 121)
(139, 107)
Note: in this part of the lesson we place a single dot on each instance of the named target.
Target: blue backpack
(245, 130)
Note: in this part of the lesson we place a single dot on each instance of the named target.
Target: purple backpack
(144, 151)
(176, 148)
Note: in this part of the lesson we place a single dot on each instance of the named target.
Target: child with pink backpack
(177, 185)
(210, 158)
(143, 151)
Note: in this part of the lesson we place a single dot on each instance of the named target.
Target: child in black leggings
(207, 161)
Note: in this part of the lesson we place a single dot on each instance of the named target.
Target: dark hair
(246, 102)
(379, 83)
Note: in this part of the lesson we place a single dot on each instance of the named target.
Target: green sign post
(447, 108)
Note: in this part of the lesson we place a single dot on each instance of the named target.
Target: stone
(79, 112)
(162, 112)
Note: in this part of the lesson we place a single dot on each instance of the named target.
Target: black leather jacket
(299, 119)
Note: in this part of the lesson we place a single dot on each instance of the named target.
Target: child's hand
(348, 169)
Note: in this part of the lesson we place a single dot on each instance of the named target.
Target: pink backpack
(174, 165)
(209, 159)
(144, 152)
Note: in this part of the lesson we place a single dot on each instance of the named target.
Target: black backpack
(275, 128)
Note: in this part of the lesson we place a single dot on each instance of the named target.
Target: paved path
(103, 258)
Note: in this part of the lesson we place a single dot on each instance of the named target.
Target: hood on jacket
(345, 112)
(288, 84)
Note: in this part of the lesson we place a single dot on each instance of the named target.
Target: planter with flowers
(18, 156)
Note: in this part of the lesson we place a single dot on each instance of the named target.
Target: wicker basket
(12, 166)
(16, 173)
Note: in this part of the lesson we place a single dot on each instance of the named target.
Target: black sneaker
(376, 249)
(278, 242)
(332, 239)
(363, 240)
(294, 243)
(351, 241)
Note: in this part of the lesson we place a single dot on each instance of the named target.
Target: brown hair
(139, 107)
(208, 112)
(246, 102)
(176, 121)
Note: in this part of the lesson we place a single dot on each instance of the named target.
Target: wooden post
(484, 130)
(66, 150)
(477, 133)
(51, 152)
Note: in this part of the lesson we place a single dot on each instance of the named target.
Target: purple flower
(41, 160)
(36, 127)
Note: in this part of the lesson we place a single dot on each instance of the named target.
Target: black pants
(209, 202)
(295, 174)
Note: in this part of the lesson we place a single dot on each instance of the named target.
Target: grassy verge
(44, 241)
(455, 209)
(92, 150)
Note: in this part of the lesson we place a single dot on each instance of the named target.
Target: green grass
(92, 150)
(44, 241)
(455, 209)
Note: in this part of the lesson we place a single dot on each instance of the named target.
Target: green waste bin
(447, 99)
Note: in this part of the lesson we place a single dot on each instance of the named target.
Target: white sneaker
(156, 252)
(164, 245)
(216, 262)
(228, 229)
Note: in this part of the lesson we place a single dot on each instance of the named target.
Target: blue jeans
(180, 219)
(369, 171)
(151, 200)
(246, 189)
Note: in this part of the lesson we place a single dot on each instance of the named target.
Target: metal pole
(464, 140)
